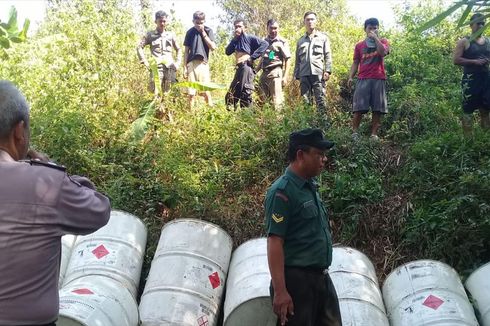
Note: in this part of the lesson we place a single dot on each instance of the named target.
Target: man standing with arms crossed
(162, 43)
(39, 203)
(313, 66)
(371, 87)
(474, 56)
(197, 43)
(247, 48)
(275, 66)
(299, 243)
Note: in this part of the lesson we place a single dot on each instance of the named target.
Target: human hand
(283, 306)
(326, 76)
(373, 35)
(185, 73)
(200, 29)
(350, 81)
(284, 81)
(481, 61)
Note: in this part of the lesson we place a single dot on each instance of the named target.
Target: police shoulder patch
(277, 218)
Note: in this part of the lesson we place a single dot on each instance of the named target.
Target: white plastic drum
(115, 251)
(478, 284)
(248, 300)
(96, 301)
(427, 292)
(187, 275)
(357, 287)
(67, 242)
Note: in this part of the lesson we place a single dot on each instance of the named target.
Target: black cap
(310, 137)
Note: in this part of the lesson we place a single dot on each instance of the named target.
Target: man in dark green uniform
(299, 245)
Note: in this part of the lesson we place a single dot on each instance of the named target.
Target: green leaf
(4, 42)
(200, 86)
(3, 31)
(436, 20)
(154, 71)
(465, 15)
(23, 32)
(140, 125)
(12, 23)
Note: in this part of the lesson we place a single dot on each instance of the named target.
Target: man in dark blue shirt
(247, 48)
(198, 41)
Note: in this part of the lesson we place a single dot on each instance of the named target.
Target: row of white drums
(193, 260)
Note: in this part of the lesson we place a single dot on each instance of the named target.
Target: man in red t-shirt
(370, 89)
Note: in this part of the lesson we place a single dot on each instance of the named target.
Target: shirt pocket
(309, 209)
(303, 49)
(317, 49)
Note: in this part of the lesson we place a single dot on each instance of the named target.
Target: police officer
(162, 43)
(275, 66)
(313, 65)
(299, 244)
(39, 203)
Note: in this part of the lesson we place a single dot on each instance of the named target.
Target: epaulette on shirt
(46, 164)
(282, 183)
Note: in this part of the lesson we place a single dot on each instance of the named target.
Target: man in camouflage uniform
(162, 43)
(275, 66)
(313, 65)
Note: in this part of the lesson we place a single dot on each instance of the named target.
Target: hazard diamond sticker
(100, 252)
(214, 280)
(203, 321)
(82, 291)
(433, 302)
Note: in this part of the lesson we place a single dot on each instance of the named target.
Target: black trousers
(242, 87)
(314, 298)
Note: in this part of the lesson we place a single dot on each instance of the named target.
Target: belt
(310, 269)
(269, 69)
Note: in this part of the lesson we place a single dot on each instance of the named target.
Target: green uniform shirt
(295, 212)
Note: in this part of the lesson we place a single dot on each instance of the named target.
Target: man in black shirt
(474, 56)
(198, 41)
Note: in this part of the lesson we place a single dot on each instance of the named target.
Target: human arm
(208, 37)
(186, 56)
(296, 63)
(259, 45)
(353, 71)
(81, 208)
(285, 73)
(141, 53)
(178, 52)
(381, 44)
(282, 301)
(230, 48)
(277, 216)
(328, 59)
(286, 55)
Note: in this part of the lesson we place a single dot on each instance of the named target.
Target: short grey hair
(13, 108)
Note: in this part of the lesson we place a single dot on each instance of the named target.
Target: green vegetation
(423, 192)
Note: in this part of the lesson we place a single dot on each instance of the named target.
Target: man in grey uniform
(162, 43)
(39, 203)
(313, 65)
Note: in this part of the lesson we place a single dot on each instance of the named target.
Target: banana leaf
(140, 125)
(12, 23)
(200, 86)
(5, 42)
(436, 20)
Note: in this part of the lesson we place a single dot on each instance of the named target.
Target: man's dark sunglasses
(481, 23)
